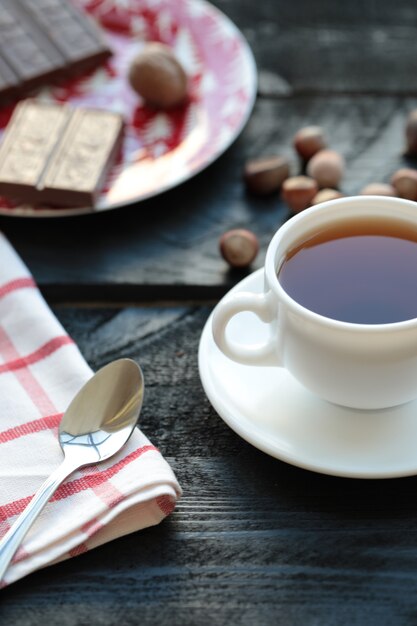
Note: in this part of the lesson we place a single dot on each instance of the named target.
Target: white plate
(268, 408)
(161, 149)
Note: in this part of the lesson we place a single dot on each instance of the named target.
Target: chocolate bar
(43, 40)
(53, 154)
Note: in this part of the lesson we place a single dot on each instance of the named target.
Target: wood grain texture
(329, 47)
(167, 247)
(253, 541)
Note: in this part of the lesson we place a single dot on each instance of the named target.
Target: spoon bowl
(101, 417)
(97, 424)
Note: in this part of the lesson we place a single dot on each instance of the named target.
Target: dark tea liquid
(361, 270)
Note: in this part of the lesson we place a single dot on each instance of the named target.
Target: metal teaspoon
(97, 423)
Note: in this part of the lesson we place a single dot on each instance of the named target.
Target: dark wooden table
(253, 541)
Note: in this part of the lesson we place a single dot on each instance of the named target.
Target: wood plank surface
(167, 247)
(253, 541)
(329, 47)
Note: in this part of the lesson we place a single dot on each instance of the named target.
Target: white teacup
(364, 366)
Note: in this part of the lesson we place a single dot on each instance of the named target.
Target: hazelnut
(298, 192)
(265, 175)
(309, 140)
(326, 194)
(378, 189)
(404, 182)
(411, 133)
(327, 168)
(157, 76)
(239, 247)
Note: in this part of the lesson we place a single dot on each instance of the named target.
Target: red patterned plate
(160, 149)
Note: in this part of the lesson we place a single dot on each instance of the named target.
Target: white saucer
(271, 410)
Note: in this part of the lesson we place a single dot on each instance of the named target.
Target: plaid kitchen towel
(41, 369)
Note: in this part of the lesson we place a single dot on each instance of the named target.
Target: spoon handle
(15, 535)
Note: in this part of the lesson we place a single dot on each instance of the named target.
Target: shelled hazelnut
(239, 247)
(404, 182)
(378, 189)
(327, 168)
(308, 141)
(411, 133)
(326, 194)
(266, 175)
(157, 76)
(298, 192)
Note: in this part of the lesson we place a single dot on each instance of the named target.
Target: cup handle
(258, 354)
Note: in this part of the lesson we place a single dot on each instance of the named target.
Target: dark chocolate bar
(73, 33)
(44, 40)
(53, 154)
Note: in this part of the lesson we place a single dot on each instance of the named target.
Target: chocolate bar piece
(53, 154)
(89, 145)
(43, 40)
(29, 140)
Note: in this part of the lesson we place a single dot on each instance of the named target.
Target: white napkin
(41, 369)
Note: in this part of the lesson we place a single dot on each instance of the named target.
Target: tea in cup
(340, 299)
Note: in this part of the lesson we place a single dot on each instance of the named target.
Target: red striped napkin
(41, 369)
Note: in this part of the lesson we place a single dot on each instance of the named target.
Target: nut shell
(308, 141)
(158, 77)
(404, 182)
(298, 192)
(378, 189)
(327, 168)
(266, 175)
(239, 247)
(326, 194)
